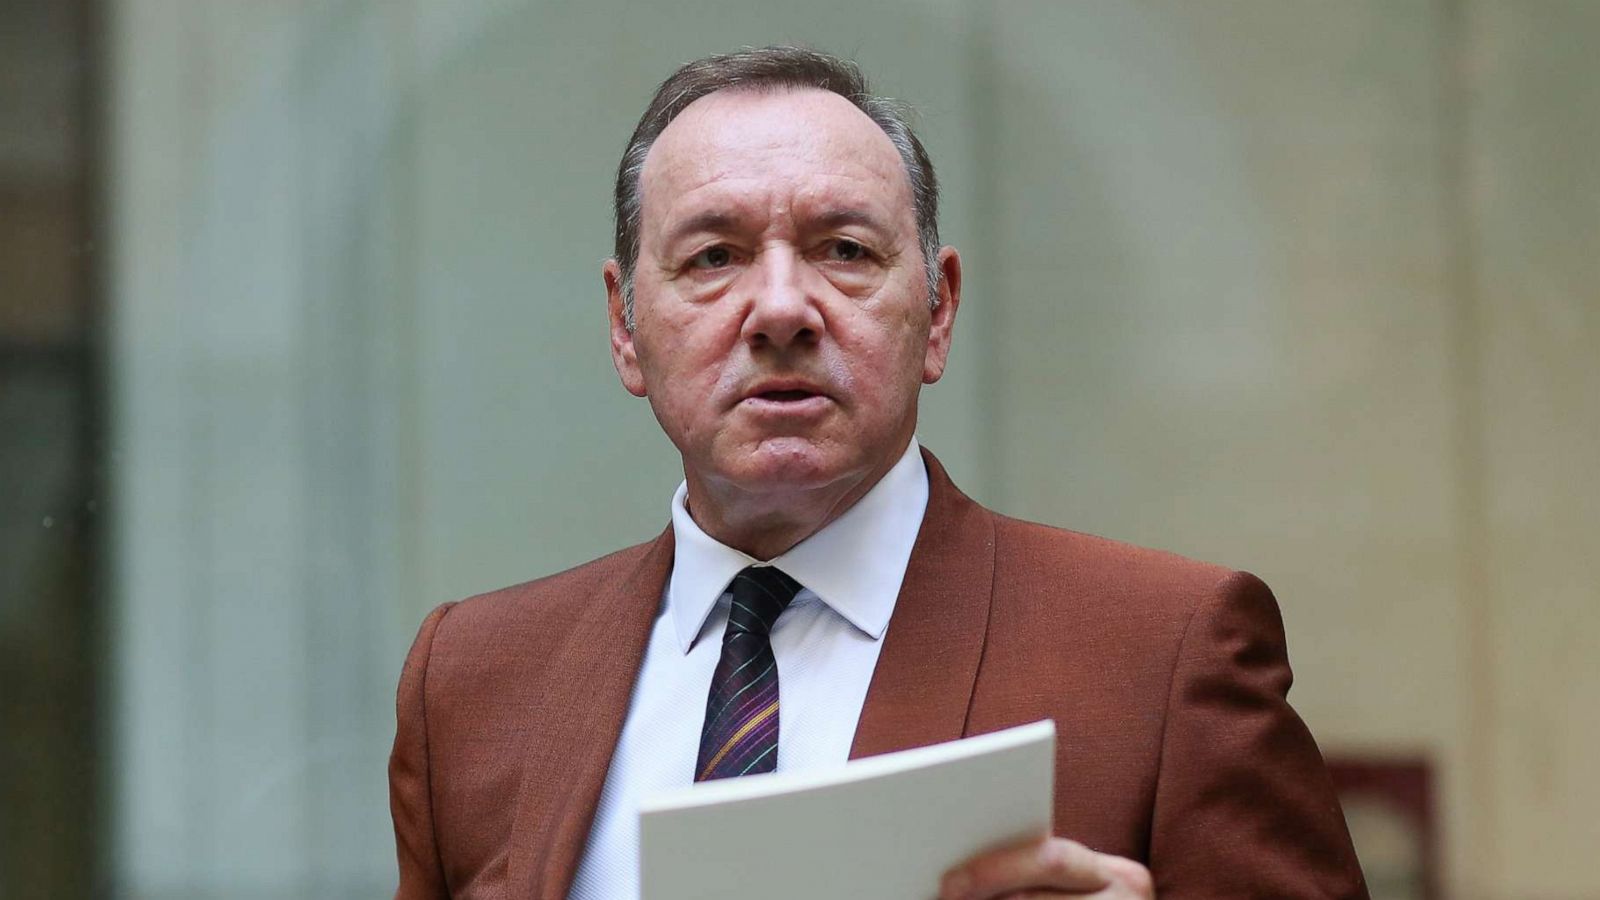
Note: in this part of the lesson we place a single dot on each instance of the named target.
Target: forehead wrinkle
(715, 206)
(832, 203)
(836, 196)
(751, 205)
(788, 138)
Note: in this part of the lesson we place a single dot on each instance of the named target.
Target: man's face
(782, 326)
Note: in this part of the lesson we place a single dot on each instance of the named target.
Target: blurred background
(302, 333)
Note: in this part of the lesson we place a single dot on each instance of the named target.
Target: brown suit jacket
(1166, 678)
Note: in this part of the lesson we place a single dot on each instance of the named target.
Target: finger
(1130, 878)
(1044, 863)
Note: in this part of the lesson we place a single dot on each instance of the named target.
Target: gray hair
(771, 69)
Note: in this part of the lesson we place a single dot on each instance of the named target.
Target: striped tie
(740, 736)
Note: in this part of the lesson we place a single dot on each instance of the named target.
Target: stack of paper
(885, 827)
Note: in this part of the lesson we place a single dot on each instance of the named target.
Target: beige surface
(1534, 176)
(1227, 328)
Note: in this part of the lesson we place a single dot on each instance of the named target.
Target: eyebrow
(837, 216)
(713, 220)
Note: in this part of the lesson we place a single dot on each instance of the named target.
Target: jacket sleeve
(410, 788)
(1244, 805)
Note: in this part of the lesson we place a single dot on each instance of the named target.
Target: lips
(786, 398)
(785, 390)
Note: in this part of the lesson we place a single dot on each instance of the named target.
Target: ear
(623, 353)
(943, 316)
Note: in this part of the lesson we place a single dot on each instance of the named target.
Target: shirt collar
(855, 564)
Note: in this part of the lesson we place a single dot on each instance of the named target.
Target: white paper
(884, 827)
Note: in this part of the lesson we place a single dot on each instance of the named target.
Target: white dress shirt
(826, 644)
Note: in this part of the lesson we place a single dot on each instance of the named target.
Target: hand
(1047, 867)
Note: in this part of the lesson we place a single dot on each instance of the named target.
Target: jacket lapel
(587, 702)
(922, 686)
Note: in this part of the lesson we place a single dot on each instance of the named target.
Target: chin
(788, 464)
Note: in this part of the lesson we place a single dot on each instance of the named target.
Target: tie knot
(760, 594)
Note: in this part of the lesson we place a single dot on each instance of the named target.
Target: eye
(711, 258)
(846, 250)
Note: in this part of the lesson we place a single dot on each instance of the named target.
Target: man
(779, 295)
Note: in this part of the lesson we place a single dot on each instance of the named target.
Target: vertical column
(257, 283)
(1227, 325)
(1534, 188)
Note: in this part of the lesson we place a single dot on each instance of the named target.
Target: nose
(783, 311)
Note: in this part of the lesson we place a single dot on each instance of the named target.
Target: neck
(765, 524)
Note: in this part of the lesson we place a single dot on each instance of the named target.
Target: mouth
(785, 396)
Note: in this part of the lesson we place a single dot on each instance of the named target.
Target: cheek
(683, 367)
(674, 347)
(904, 336)
(887, 354)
